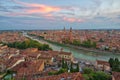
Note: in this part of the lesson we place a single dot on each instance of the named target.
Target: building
(66, 55)
(70, 35)
(48, 60)
(103, 65)
(28, 68)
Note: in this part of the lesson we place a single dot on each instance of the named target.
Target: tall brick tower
(70, 35)
(64, 29)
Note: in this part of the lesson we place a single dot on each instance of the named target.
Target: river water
(80, 54)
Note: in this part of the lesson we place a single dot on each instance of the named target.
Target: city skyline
(57, 14)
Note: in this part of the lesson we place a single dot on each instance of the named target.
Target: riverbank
(80, 48)
(91, 49)
(76, 47)
(77, 53)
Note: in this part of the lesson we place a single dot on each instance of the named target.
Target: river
(77, 53)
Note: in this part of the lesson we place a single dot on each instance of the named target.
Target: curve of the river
(80, 54)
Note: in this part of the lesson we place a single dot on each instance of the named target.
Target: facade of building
(103, 65)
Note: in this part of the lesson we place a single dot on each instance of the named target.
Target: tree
(94, 44)
(111, 61)
(67, 67)
(29, 44)
(115, 64)
(66, 41)
(89, 44)
(71, 68)
(61, 71)
(101, 40)
(63, 64)
(76, 43)
(89, 74)
(87, 70)
(23, 78)
(77, 68)
(100, 76)
(116, 60)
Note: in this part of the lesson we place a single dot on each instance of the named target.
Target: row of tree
(28, 44)
(88, 43)
(90, 74)
(115, 64)
(67, 67)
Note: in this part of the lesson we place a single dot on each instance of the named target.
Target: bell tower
(64, 29)
(70, 34)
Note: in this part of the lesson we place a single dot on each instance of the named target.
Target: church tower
(70, 35)
(64, 29)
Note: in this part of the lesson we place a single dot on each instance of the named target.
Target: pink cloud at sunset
(38, 8)
(43, 9)
(72, 20)
(89, 14)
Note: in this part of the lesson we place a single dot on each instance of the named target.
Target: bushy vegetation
(58, 72)
(115, 64)
(76, 43)
(28, 44)
(9, 75)
(65, 68)
(74, 70)
(88, 43)
(89, 74)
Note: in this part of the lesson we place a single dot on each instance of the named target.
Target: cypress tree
(77, 68)
(71, 68)
(63, 64)
(111, 61)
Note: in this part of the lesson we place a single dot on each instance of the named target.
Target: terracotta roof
(116, 75)
(65, 53)
(64, 76)
(28, 67)
(103, 62)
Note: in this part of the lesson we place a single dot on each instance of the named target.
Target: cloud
(72, 20)
(43, 9)
(38, 8)
(93, 10)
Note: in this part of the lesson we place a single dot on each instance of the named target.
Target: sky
(57, 14)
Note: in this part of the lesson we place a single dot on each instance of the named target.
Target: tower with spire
(70, 35)
(64, 29)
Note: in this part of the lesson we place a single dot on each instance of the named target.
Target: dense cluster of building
(9, 37)
(31, 62)
(34, 64)
(105, 39)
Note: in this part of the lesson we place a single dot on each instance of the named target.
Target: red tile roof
(28, 67)
(103, 63)
(65, 76)
(116, 75)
